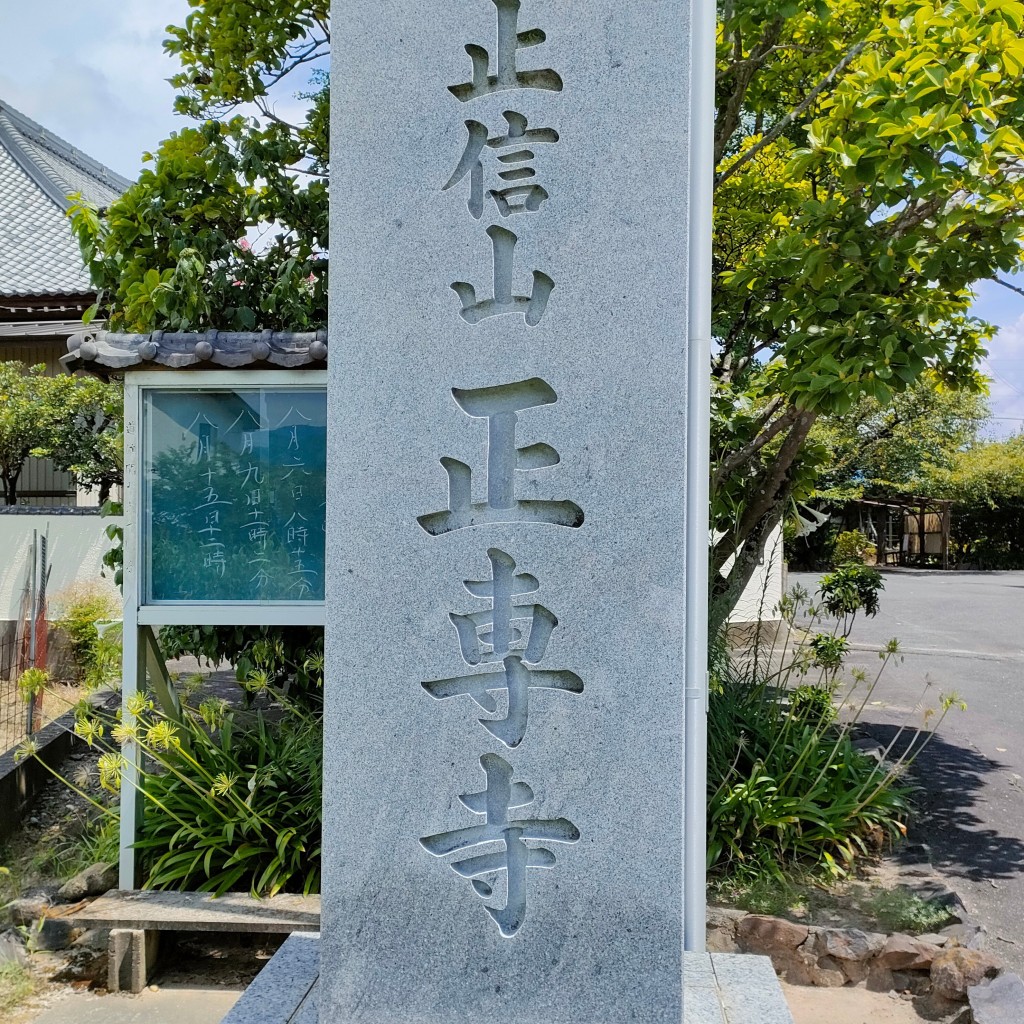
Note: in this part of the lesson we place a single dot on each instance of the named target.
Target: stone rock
(956, 970)
(798, 968)
(935, 938)
(28, 909)
(916, 983)
(12, 947)
(848, 943)
(767, 935)
(902, 953)
(880, 978)
(966, 933)
(55, 934)
(941, 894)
(828, 973)
(870, 748)
(855, 971)
(93, 881)
(1001, 1001)
(721, 929)
(94, 939)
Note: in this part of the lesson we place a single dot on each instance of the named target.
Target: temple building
(44, 285)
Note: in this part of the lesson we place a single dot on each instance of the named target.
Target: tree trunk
(726, 589)
(770, 491)
(10, 482)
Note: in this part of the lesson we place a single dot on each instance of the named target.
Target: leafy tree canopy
(868, 173)
(227, 226)
(986, 484)
(75, 421)
(989, 474)
(896, 448)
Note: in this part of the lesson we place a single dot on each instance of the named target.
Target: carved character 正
(501, 406)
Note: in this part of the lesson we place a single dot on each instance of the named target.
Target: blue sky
(94, 72)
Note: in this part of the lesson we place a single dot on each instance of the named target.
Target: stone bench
(136, 919)
(721, 988)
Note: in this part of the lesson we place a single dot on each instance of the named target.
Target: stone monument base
(721, 988)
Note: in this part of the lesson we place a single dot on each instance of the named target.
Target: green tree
(74, 421)
(986, 484)
(868, 173)
(868, 176)
(227, 226)
(87, 438)
(895, 448)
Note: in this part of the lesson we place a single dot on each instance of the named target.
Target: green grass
(773, 896)
(899, 910)
(16, 985)
(97, 843)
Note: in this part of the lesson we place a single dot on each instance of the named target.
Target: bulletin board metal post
(142, 667)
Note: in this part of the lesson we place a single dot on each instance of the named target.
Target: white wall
(75, 548)
(760, 599)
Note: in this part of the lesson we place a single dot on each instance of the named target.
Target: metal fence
(23, 645)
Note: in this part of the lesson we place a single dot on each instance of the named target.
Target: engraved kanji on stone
(513, 199)
(500, 406)
(510, 638)
(505, 73)
(515, 857)
(503, 257)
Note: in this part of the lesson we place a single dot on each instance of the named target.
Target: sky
(94, 72)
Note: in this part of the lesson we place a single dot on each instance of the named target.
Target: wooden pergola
(907, 530)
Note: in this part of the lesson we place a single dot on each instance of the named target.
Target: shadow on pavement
(953, 780)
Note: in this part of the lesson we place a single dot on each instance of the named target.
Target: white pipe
(698, 445)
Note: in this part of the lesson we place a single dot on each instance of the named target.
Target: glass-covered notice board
(232, 493)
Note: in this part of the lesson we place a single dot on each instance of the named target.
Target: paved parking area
(963, 632)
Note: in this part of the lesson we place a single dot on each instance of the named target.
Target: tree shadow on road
(954, 779)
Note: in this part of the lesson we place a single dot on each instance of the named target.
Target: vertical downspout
(698, 438)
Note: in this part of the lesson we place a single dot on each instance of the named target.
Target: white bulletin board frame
(209, 613)
(139, 651)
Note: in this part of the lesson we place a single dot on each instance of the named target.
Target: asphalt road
(962, 632)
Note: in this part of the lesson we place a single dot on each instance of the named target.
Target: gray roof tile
(38, 254)
(103, 352)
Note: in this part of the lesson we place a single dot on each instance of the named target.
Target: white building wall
(75, 548)
(760, 600)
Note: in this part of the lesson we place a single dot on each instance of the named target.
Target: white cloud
(93, 73)
(1005, 365)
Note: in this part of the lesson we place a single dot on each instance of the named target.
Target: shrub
(853, 546)
(16, 985)
(78, 609)
(900, 910)
(292, 656)
(231, 797)
(815, 704)
(787, 790)
(231, 807)
(32, 682)
(852, 588)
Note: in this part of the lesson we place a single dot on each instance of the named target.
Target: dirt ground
(847, 1006)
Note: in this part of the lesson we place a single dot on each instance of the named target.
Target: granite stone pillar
(504, 727)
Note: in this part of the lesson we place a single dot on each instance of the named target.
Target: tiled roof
(38, 254)
(103, 352)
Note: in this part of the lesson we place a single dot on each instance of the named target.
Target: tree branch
(851, 55)
(742, 70)
(1006, 284)
(764, 436)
